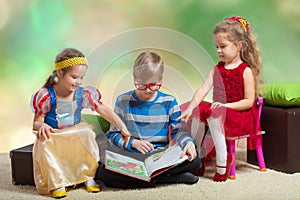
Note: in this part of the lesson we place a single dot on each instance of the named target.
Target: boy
(148, 114)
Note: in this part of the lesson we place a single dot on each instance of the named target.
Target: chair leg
(260, 156)
(231, 150)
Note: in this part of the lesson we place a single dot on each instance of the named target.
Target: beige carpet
(250, 184)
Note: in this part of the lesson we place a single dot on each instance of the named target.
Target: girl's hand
(216, 105)
(142, 145)
(185, 115)
(125, 135)
(44, 132)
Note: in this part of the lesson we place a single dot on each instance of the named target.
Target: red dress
(228, 86)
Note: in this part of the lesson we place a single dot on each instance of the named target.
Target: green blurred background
(34, 31)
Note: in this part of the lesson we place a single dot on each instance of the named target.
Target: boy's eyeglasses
(151, 86)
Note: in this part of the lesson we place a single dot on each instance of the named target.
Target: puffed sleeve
(91, 98)
(40, 102)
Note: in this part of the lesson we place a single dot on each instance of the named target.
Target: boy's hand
(190, 150)
(142, 146)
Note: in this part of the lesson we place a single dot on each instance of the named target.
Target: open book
(153, 165)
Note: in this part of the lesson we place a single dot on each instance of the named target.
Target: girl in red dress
(235, 80)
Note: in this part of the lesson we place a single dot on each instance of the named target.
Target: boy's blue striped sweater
(149, 120)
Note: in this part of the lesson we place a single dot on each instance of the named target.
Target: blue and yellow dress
(71, 154)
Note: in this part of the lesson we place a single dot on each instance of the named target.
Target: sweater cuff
(183, 143)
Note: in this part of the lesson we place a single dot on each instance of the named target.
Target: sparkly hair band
(242, 20)
(70, 62)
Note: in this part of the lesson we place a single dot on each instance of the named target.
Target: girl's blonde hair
(148, 64)
(241, 31)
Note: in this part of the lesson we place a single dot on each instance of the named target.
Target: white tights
(218, 136)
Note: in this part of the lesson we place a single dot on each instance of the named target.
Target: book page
(125, 165)
(160, 160)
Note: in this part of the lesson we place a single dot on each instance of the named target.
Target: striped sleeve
(91, 98)
(40, 102)
(114, 134)
(178, 131)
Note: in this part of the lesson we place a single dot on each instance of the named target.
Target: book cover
(153, 165)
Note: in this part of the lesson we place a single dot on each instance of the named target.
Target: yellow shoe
(60, 193)
(93, 188)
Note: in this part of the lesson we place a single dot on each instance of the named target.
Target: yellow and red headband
(70, 62)
(242, 20)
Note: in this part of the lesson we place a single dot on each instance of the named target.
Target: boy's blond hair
(148, 64)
